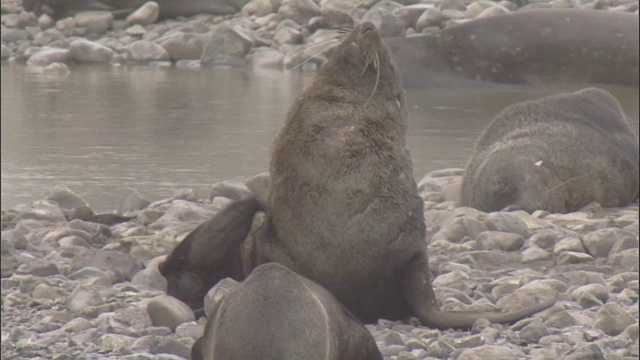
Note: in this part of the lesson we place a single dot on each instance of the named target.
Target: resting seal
(345, 210)
(278, 314)
(543, 46)
(556, 153)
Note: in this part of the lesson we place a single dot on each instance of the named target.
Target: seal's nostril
(367, 26)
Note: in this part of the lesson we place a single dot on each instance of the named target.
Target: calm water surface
(103, 130)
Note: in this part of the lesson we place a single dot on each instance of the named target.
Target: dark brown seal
(543, 46)
(210, 253)
(278, 314)
(345, 209)
(556, 153)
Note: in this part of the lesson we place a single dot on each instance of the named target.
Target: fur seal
(345, 211)
(557, 153)
(543, 46)
(344, 207)
(279, 314)
(210, 253)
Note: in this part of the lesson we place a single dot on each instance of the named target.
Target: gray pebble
(533, 332)
(626, 260)
(89, 51)
(572, 257)
(168, 311)
(497, 240)
(613, 319)
(569, 244)
(84, 296)
(97, 22)
(560, 320)
(506, 222)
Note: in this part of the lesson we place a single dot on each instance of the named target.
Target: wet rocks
(143, 51)
(263, 34)
(147, 14)
(89, 51)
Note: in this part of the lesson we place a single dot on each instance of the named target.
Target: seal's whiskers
(376, 65)
(345, 30)
(331, 42)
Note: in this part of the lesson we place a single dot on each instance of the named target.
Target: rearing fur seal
(345, 209)
(556, 153)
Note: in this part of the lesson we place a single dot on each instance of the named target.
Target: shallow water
(103, 130)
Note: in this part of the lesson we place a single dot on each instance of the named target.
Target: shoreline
(275, 36)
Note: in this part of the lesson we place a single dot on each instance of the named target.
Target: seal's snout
(366, 27)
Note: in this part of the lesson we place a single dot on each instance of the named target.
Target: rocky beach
(264, 33)
(80, 285)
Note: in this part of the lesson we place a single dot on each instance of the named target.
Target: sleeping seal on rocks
(557, 153)
(542, 46)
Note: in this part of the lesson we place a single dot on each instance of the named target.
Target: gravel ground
(77, 288)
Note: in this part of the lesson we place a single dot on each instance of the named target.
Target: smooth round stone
(147, 14)
(560, 320)
(150, 278)
(498, 240)
(569, 244)
(599, 291)
(533, 332)
(599, 243)
(168, 311)
(89, 51)
(82, 297)
(44, 291)
(612, 319)
(535, 253)
(572, 257)
(97, 22)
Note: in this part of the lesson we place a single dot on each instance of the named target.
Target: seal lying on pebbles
(556, 153)
(525, 47)
(279, 314)
(210, 253)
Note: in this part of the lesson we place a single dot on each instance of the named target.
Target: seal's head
(362, 61)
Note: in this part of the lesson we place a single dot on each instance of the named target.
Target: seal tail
(420, 297)
(438, 319)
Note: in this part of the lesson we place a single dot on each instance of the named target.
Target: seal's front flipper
(213, 251)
